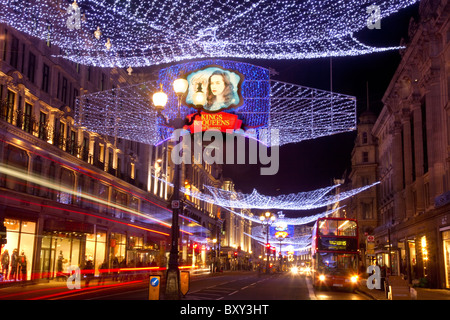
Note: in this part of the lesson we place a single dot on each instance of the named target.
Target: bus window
(346, 228)
(337, 262)
(328, 227)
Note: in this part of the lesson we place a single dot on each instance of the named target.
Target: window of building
(59, 251)
(45, 77)
(20, 236)
(27, 120)
(85, 149)
(10, 102)
(18, 159)
(31, 66)
(96, 249)
(14, 58)
(67, 181)
(101, 155)
(446, 250)
(42, 125)
(103, 193)
(367, 212)
(110, 160)
(64, 90)
(60, 138)
(132, 170)
(73, 142)
(364, 137)
(37, 170)
(365, 157)
(117, 244)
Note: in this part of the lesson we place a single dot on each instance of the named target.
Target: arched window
(67, 182)
(18, 159)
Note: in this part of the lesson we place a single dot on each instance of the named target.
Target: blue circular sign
(154, 282)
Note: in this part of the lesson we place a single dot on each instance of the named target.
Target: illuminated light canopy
(259, 235)
(144, 32)
(290, 221)
(294, 201)
(295, 112)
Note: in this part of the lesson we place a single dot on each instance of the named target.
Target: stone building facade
(413, 137)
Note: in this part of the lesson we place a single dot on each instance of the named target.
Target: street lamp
(267, 219)
(281, 236)
(160, 99)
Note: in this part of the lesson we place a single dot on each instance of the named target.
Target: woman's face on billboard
(217, 84)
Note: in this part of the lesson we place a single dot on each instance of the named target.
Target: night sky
(313, 164)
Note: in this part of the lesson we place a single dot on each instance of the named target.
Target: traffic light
(235, 254)
(267, 245)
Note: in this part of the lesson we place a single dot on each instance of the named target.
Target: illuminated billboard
(221, 86)
(282, 229)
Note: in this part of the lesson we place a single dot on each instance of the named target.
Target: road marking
(312, 295)
(233, 292)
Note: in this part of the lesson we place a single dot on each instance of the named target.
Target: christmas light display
(294, 201)
(296, 112)
(289, 221)
(147, 32)
(258, 234)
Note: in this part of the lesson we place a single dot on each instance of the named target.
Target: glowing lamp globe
(159, 100)
(180, 86)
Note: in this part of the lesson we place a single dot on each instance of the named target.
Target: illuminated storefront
(446, 252)
(20, 248)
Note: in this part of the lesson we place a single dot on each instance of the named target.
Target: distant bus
(334, 253)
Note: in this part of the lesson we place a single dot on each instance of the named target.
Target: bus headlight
(294, 270)
(354, 279)
(322, 277)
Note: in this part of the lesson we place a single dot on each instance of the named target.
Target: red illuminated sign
(219, 121)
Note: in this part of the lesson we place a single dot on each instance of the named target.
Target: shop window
(412, 259)
(117, 244)
(446, 245)
(96, 249)
(19, 247)
(135, 245)
(424, 246)
(59, 250)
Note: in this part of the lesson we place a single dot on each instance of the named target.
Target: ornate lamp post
(281, 236)
(159, 101)
(267, 219)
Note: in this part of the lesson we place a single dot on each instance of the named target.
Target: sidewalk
(422, 293)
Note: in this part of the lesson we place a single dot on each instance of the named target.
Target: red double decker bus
(334, 251)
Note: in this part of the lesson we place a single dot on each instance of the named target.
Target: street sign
(175, 204)
(154, 286)
(184, 282)
(370, 238)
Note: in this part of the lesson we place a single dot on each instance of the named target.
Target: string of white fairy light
(295, 201)
(295, 112)
(309, 200)
(302, 242)
(141, 33)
